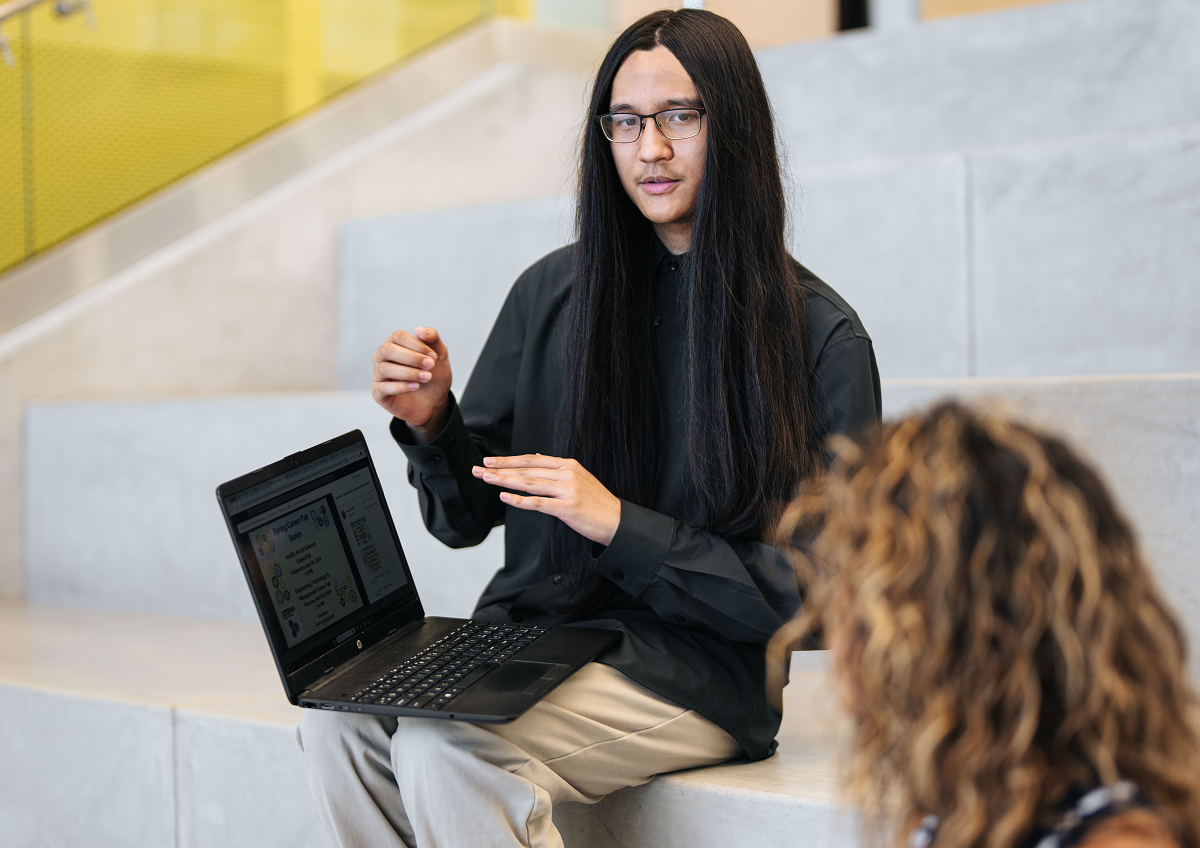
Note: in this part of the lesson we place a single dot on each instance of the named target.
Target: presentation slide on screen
(313, 577)
(310, 580)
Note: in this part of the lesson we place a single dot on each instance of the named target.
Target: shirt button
(674, 266)
(680, 619)
(618, 575)
(657, 320)
(558, 579)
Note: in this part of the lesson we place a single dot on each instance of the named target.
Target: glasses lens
(621, 128)
(679, 123)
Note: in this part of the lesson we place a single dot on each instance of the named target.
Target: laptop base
(501, 693)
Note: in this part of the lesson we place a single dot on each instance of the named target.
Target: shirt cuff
(637, 549)
(435, 458)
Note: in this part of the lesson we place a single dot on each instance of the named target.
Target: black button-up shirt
(697, 609)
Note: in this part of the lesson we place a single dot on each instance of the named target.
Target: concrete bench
(125, 698)
(128, 730)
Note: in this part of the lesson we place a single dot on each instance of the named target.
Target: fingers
(547, 505)
(430, 336)
(402, 346)
(401, 355)
(403, 362)
(391, 371)
(502, 476)
(390, 388)
(393, 362)
(555, 486)
(405, 349)
(534, 485)
(533, 473)
(528, 460)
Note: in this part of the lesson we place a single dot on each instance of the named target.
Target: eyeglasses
(675, 124)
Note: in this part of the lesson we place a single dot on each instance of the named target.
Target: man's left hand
(559, 487)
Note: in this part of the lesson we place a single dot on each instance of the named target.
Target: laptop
(341, 613)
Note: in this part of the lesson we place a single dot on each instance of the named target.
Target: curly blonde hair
(1006, 640)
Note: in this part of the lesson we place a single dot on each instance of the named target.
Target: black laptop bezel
(385, 617)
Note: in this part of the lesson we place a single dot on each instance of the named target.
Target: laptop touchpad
(528, 678)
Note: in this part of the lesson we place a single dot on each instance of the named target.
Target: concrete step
(242, 260)
(1004, 195)
(126, 729)
(1042, 259)
(1069, 257)
(982, 221)
(1043, 72)
(450, 269)
(120, 513)
(143, 731)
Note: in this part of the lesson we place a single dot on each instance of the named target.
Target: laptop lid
(320, 552)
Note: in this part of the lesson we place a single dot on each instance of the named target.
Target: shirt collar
(663, 258)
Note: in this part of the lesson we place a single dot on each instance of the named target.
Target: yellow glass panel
(515, 8)
(159, 88)
(113, 124)
(12, 154)
(931, 9)
(304, 69)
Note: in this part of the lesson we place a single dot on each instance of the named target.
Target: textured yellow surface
(12, 204)
(948, 8)
(94, 119)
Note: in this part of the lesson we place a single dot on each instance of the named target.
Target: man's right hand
(412, 379)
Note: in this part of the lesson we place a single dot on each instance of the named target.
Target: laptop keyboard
(437, 674)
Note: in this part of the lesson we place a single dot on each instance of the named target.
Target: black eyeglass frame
(654, 115)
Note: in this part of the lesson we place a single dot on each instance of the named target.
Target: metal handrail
(62, 8)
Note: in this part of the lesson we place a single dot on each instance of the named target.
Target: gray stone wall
(1068, 257)
(1044, 72)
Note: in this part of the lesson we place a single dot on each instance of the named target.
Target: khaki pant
(427, 783)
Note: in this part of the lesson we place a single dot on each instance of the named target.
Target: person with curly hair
(1014, 677)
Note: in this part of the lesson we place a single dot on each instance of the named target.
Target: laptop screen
(320, 549)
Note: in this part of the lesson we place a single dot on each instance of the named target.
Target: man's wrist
(425, 433)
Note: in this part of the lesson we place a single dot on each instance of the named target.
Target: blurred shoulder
(830, 318)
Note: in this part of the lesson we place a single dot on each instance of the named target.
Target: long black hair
(749, 417)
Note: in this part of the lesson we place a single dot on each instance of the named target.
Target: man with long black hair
(648, 400)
